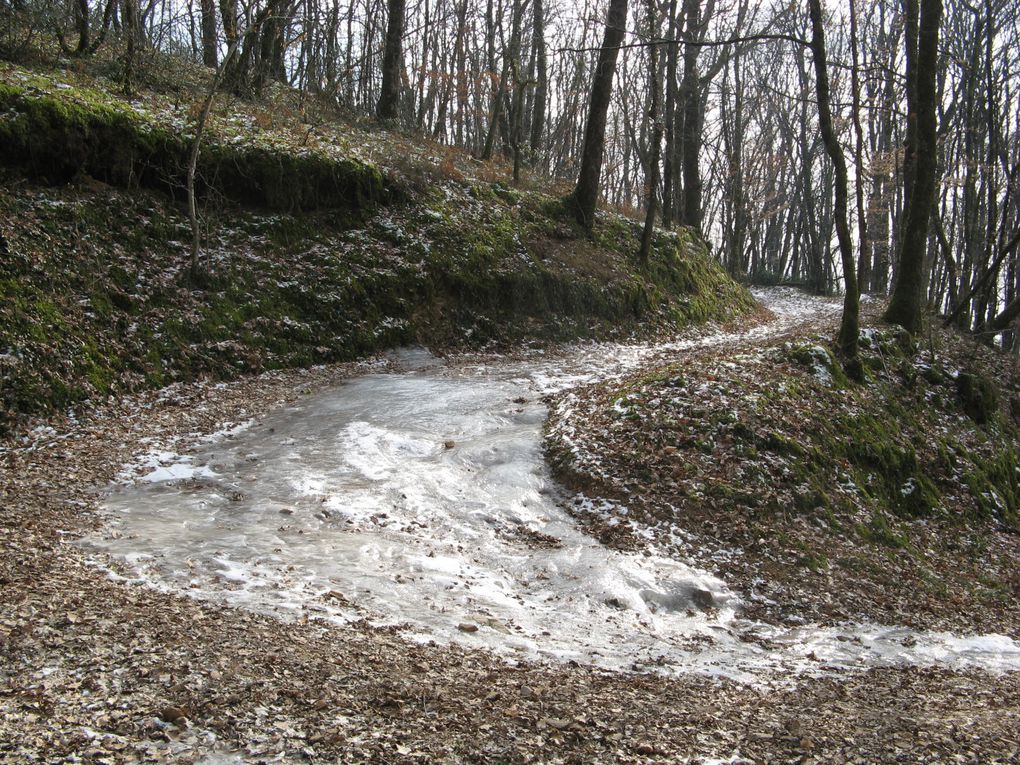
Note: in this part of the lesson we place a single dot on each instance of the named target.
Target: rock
(467, 627)
(172, 714)
(449, 444)
(702, 599)
(978, 395)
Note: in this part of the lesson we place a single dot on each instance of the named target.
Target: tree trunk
(691, 125)
(541, 80)
(864, 265)
(209, 53)
(850, 324)
(656, 140)
(905, 307)
(668, 166)
(81, 23)
(586, 192)
(388, 107)
(132, 18)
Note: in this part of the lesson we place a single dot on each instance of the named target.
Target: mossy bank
(309, 257)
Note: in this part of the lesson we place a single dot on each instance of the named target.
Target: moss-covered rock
(978, 396)
(818, 360)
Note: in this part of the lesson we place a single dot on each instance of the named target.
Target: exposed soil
(97, 670)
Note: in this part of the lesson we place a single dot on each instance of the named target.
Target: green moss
(811, 559)
(811, 498)
(780, 444)
(57, 136)
(819, 360)
(885, 463)
(880, 530)
(994, 483)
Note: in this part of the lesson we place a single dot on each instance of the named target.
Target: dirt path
(98, 670)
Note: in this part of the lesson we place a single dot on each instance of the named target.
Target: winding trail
(419, 497)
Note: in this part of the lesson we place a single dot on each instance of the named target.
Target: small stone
(173, 714)
(449, 444)
(467, 627)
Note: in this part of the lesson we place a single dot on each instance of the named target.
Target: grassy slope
(316, 248)
(897, 500)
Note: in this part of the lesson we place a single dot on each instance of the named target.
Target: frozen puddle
(422, 499)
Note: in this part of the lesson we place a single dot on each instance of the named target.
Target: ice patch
(422, 499)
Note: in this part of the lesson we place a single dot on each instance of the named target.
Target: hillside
(322, 242)
(892, 501)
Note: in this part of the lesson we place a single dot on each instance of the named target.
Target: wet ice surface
(421, 498)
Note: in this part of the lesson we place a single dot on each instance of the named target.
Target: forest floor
(99, 670)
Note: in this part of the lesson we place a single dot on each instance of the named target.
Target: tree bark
(656, 140)
(905, 307)
(209, 53)
(388, 107)
(691, 122)
(864, 261)
(228, 16)
(132, 18)
(586, 192)
(541, 80)
(669, 115)
(81, 23)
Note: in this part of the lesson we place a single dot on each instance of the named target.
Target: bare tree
(905, 307)
(586, 192)
(652, 175)
(388, 107)
(849, 328)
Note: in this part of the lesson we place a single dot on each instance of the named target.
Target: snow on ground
(421, 498)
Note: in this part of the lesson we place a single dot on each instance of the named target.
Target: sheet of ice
(421, 498)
